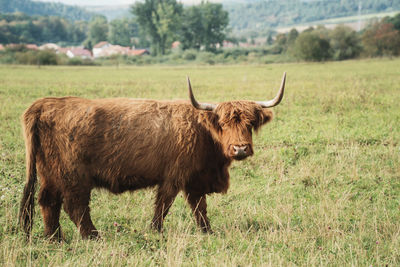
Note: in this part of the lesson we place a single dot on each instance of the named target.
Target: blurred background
(177, 32)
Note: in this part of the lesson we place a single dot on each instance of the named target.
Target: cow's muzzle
(240, 152)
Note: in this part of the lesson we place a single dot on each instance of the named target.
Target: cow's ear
(264, 116)
(210, 120)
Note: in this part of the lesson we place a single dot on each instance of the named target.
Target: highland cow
(76, 144)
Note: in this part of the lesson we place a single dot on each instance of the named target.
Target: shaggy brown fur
(123, 145)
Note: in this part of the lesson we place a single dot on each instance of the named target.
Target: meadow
(323, 187)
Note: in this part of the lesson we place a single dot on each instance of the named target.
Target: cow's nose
(241, 150)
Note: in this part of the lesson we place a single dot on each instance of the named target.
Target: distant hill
(111, 12)
(40, 8)
(246, 16)
(261, 15)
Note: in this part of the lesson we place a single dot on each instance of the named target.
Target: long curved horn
(203, 106)
(278, 97)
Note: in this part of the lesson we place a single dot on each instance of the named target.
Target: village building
(139, 52)
(79, 52)
(175, 45)
(49, 46)
(105, 49)
(98, 49)
(31, 46)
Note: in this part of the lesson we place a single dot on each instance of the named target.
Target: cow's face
(232, 124)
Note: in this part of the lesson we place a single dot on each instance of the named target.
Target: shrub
(345, 43)
(75, 61)
(206, 57)
(28, 57)
(235, 53)
(381, 39)
(310, 46)
(46, 57)
(190, 54)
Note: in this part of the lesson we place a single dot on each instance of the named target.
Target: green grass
(323, 187)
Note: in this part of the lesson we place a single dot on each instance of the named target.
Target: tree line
(380, 38)
(158, 23)
(30, 7)
(259, 15)
(165, 21)
(21, 28)
(155, 24)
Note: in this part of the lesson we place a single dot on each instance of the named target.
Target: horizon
(94, 3)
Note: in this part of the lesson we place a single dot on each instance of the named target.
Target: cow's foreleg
(77, 207)
(199, 207)
(165, 198)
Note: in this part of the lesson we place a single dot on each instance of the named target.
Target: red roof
(139, 52)
(101, 44)
(63, 50)
(175, 44)
(81, 52)
(32, 46)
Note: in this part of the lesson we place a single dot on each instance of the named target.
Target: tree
(345, 43)
(45, 9)
(160, 19)
(215, 21)
(21, 28)
(310, 46)
(122, 32)
(98, 30)
(192, 28)
(280, 43)
(381, 39)
(292, 36)
(77, 32)
(204, 26)
(269, 40)
(394, 20)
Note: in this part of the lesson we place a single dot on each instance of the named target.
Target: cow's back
(118, 143)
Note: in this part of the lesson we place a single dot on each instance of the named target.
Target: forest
(30, 7)
(201, 30)
(257, 16)
(22, 28)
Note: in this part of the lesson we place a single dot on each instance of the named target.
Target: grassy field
(323, 187)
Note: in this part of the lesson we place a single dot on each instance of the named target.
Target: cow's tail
(29, 123)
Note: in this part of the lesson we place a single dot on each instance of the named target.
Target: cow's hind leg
(165, 198)
(76, 205)
(50, 204)
(199, 207)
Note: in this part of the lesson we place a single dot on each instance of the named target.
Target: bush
(28, 58)
(381, 39)
(310, 46)
(7, 58)
(235, 53)
(46, 57)
(345, 43)
(190, 55)
(76, 61)
(16, 48)
(206, 57)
